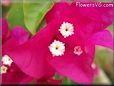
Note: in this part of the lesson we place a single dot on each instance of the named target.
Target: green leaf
(16, 15)
(34, 12)
(67, 81)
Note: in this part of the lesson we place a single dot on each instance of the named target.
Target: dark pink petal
(31, 56)
(89, 49)
(20, 34)
(8, 45)
(56, 11)
(15, 76)
(92, 18)
(26, 80)
(4, 30)
(82, 25)
(77, 68)
(54, 81)
(50, 73)
(103, 38)
(5, 27)
(101, 17)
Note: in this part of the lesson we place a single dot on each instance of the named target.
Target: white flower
(57, 48)
(7, 60)
(3, 69)
(66, 29)
(77, 50)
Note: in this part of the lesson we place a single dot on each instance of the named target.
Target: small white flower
(93, 65)
(7, 60)
(57, 48)
(77, 50)
(66, 29)
(3, 69)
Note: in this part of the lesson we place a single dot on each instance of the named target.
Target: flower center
(57, 48)
(3, 69)
(77, 50)
(66, 29)
(7, 60)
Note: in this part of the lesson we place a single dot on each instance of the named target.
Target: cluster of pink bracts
(66, 45)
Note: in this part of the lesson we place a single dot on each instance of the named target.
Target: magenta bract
(73, 57)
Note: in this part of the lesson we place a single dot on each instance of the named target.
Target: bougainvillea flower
(17, 36)
(10, 40)
(97, 17)
(65, 45)
(68, 56)
(13, 75)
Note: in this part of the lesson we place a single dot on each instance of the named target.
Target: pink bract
(35, 59)
(11, 40)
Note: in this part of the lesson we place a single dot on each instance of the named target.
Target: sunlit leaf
(16, 15)
(34, 12)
